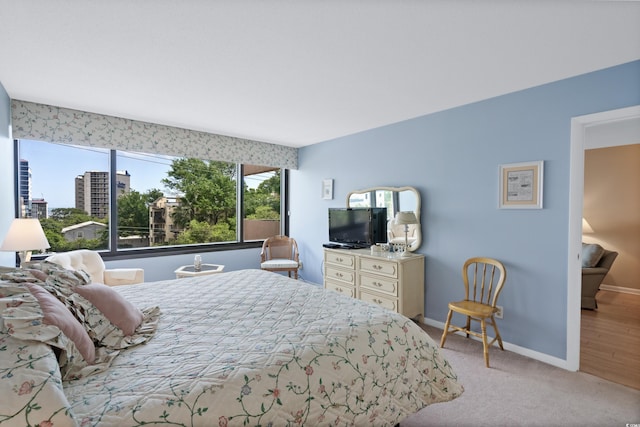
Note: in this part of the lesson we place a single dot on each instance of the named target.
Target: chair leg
(483, 326)
(446, 329)
(468, 327)
(495, 328)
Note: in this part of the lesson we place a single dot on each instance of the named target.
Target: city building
(92, 191)
(39, 208)
(24, 189)
(85, 230)
(161, 226)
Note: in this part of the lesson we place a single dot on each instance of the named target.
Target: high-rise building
(92, 191)
(24, 188)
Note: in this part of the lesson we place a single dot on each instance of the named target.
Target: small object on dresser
(197, 263)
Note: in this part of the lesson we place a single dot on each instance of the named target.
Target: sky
(54, 168)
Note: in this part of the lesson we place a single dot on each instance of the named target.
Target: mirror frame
(413, 247)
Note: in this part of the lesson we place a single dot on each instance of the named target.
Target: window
(161, 201)
(262, 202)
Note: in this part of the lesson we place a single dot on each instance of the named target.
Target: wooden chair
(280, 253)
(487, 276)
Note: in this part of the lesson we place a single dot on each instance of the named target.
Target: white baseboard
(620, 289)
(541, 357)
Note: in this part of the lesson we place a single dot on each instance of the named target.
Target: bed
(245, 347)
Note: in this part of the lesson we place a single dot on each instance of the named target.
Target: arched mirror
(395, 199)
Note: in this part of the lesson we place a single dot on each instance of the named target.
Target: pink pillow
(118, 310)
(55, 313)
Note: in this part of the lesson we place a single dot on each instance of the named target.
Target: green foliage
(207, 211)
(207, 190)
(71, 216)
(61, 218)
(264, 212)
(133, 212)
(263, 202)
(203, 232)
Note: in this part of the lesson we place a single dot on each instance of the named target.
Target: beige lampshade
(406, 217)
(586, 228)
(25, 234)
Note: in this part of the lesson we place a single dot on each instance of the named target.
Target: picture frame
(327, 189)
(521, 185)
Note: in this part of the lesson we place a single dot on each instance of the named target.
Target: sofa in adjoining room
(596, 263)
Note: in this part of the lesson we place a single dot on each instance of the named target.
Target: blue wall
(7, 177)
(452, 158)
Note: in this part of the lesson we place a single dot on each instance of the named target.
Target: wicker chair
(280, 253)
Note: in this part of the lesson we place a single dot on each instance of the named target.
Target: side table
(190, 270)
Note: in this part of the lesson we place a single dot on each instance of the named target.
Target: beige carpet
(518, 391)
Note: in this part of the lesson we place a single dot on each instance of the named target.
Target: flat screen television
(357, 227)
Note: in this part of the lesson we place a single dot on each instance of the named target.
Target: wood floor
(610, 339)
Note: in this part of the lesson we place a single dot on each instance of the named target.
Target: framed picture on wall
(521, 185)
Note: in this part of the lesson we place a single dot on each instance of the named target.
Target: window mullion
(113, 203)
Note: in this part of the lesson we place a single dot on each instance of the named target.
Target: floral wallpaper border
(62, 125)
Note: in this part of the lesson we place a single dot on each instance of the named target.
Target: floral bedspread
(255, 348)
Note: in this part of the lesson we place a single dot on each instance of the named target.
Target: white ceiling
(298, 72)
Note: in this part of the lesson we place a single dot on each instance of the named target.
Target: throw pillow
(55, 313)
(31, 313)
(591, 254)
(114, 306)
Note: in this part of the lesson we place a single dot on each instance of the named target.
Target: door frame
(584, 136)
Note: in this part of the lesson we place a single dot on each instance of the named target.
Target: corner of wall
(6, 173)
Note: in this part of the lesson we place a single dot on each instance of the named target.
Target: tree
(207, 190)
(133, 212)
(203, 232)
(71, 216)
(263, 202)
(61, 218)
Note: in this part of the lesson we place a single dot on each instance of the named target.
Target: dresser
(391, 281)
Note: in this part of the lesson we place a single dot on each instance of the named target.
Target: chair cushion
(279, 263)
(591, 254)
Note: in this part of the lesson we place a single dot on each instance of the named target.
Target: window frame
(113, 253)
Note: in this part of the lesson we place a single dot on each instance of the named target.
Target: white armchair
(91, 263)
(395, 233)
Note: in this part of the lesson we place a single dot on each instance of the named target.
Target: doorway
(599, 130)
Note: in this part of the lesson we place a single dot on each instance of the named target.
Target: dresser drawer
(348, 261)
(347, 276)
(388, 303)
(341, 288)
(378, 266)
(379, 283)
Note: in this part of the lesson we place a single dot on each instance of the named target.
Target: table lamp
(25, 235)
(405, 218)
(586, 227)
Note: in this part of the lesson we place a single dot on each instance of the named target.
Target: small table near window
(190, 270)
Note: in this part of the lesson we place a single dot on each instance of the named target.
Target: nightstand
(190, 271)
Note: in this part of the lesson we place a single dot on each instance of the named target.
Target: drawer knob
(339, 275)
(377, 301)
(377, 284)
(377, 267)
